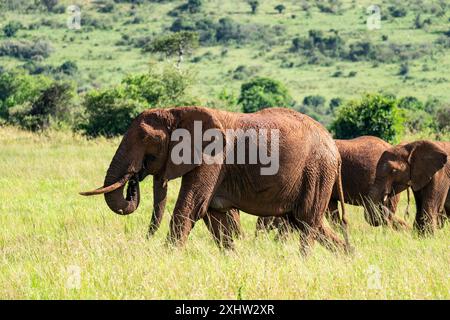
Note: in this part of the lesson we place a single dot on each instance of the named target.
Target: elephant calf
(422, 165)
(299, 180)
(360, 157)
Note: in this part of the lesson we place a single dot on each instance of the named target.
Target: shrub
(25, 49)
(314, 101)
(52, 105)
(18, 89)
(374, 114)
(410, 103)
(397, 11)
(261, 93)
(404, 69)
(254, 4)
(68, 67)
(109, 112)
(11, 28)
(334, 103)
(191, 6)
(280, 8)
(49, 4)
(443, 118)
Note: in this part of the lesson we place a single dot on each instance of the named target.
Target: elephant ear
(425, 159)
(189, 125)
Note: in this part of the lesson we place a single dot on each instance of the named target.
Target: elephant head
(145, 150)
(406, 165)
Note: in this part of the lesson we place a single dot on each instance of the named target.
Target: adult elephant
(299, 181)
(423, 165)
(360, 157)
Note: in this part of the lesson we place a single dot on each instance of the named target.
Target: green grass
(46, 228)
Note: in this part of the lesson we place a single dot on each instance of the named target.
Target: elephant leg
(283, 228)
(197, 188)
(264, 224)
(222, 226)
(390, 218)
(159, 204)
(329, 240)
(445, 214)
(234, 221)
(332, 214)
(432, 199)
(309, 215)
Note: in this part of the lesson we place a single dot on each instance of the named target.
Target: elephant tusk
(385, 198)
(108, 189)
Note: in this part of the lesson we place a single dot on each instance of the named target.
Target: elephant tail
(340, 191)
(407, 203)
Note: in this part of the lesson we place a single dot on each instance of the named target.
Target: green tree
(194, 6)
(18, 89)
(52, 105)
(176, 44)
(109, 112)
(443, 118)
(280, 8)
(254, 4)
(260, 93)
(374, 114)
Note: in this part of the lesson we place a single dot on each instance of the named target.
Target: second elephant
(360, 157)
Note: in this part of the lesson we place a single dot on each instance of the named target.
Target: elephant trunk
(376, 208)
(118, 170)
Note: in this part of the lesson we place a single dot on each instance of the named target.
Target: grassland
(47, 230)
(102, 62)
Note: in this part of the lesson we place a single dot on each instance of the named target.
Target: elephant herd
(314, 173)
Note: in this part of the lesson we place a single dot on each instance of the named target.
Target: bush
(52, 105)
(68, 67)
(397, 11)
(314, 101)
(443, 118)
(25, 49)
(191, 6)
(261, 93)
(109, 112)
(280, 8)
(11, 28)
(18, 89)
(374, 114)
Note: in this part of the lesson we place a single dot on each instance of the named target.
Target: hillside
(109, 45)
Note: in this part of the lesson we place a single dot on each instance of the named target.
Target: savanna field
(48, 233)
(74, 87)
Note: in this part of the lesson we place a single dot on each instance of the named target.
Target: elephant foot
(399, 224)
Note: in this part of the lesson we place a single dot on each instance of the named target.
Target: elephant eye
(394, 170)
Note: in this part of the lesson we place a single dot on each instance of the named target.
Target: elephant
(296, 180)
(422, 165)
(359, 162)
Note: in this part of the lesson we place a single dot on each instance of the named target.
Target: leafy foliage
(260, 93)
(374, 114)
(109, 112)
(52, 105)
